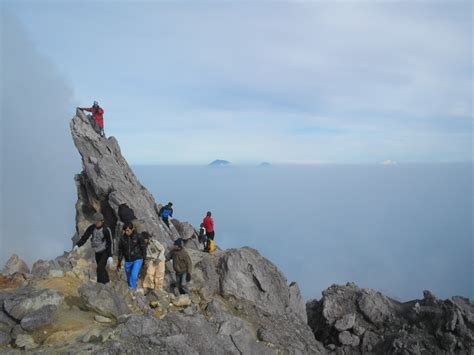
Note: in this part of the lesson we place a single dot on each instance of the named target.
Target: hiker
(101, 244)
(126, 214)
(131, 247)
(97, 117)
(182, 265)
(154, 263)
(202, 235)
(165, 213)
(208, 223)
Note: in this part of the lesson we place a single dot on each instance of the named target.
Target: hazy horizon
(390, 208)
(394, 220)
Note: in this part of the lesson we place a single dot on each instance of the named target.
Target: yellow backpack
(212, 246)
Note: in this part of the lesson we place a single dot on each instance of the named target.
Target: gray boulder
(5, 338)
(25, 341)
(346, 322)
(22, 305)
(6, 322)
(247, 275)
(296, 302)
(14, 265)
(375, 307)
(41, 268)
(107, 300)
(39, 318)
(346, 338)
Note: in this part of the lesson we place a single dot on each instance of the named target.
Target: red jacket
(97, 113)
(208, 224)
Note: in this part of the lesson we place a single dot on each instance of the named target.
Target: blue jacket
(166, 212)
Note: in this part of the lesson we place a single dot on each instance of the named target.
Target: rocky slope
(352, 320)
(240, 303)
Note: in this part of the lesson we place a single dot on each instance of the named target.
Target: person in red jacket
(208, 223)
(97, 119)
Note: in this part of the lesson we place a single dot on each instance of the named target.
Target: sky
(285, 82)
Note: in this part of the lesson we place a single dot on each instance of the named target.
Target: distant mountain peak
(220, 162)
(389, 162)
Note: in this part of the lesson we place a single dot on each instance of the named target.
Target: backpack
(125, 213)
(99, 243)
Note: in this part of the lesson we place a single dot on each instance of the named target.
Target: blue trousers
(132, 269)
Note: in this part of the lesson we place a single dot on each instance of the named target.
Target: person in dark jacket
(132, 247)
(182, 265)
(101, 244)
(165, 213)
(97, 118)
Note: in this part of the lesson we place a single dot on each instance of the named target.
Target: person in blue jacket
(166, 212)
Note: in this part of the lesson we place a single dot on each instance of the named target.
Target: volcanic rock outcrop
(239, 302)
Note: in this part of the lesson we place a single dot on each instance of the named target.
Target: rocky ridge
(240, 302)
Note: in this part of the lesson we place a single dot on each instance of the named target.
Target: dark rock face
(360, 321)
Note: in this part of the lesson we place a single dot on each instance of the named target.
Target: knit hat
(97, 217)
(179, 242)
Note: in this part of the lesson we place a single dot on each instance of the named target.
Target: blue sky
(190, 82)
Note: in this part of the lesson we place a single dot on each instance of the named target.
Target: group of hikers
(143, 254)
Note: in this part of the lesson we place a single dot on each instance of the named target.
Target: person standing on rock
(182, 265)
(208, 223)
(101, 244)
(97, 118)
(154, 263)
(165, 213)
(131, 247)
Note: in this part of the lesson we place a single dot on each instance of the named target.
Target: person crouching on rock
(97, 117)
(131, 247)
(101, 244)
(154, 263)
(166, 212)
(182, 265)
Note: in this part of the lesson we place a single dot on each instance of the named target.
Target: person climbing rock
(154, 263)
(182, 265)
(131, 247)
(101, 242)
(208, 223)
(97, 117)
(165, 213)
